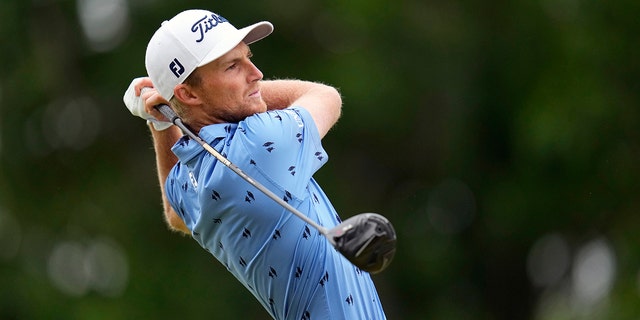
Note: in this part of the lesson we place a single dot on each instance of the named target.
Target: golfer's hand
(142, 104)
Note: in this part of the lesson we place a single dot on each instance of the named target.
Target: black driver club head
(368, 240)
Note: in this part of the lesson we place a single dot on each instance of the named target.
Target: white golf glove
(136, 106)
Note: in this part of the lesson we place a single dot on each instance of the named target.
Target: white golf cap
(192, 39)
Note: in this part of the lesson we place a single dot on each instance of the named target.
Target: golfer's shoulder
(277, 122)
(278, 133)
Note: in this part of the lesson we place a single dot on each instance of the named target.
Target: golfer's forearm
(165, 160)
(323, 102)
(280, 94)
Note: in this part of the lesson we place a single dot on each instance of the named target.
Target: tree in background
(501, 139)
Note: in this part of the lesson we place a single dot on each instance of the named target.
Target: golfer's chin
(258, 106)
(248, 111)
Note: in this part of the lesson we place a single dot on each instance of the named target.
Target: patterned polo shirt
(287, 265)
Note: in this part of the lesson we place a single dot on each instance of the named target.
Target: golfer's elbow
(336, 103)
(329, 108)
(174, 222)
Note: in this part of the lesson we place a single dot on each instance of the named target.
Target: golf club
(367, 240)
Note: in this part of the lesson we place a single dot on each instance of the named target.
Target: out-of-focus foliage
(501, 138)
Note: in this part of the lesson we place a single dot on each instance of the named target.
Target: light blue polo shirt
(286, 264)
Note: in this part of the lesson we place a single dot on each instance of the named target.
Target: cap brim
(257, 31)
(247, 35)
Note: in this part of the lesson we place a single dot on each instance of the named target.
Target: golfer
(200, 64)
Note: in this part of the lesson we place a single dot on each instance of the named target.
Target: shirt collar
(186, 148)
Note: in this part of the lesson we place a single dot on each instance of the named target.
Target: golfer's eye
(233, 66)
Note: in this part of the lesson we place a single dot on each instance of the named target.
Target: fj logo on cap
(176, 67)
(205, 24)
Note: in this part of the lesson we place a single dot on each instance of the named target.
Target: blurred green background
(501, 138)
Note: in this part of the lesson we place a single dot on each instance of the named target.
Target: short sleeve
(284, 145)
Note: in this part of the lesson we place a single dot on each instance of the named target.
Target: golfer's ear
(186, 95)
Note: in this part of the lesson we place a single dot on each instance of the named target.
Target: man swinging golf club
(201, 65)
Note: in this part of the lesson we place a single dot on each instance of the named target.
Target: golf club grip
(167, 112)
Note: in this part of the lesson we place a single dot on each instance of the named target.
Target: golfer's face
(231, 85)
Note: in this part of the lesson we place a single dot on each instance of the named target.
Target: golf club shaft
(173, 117)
